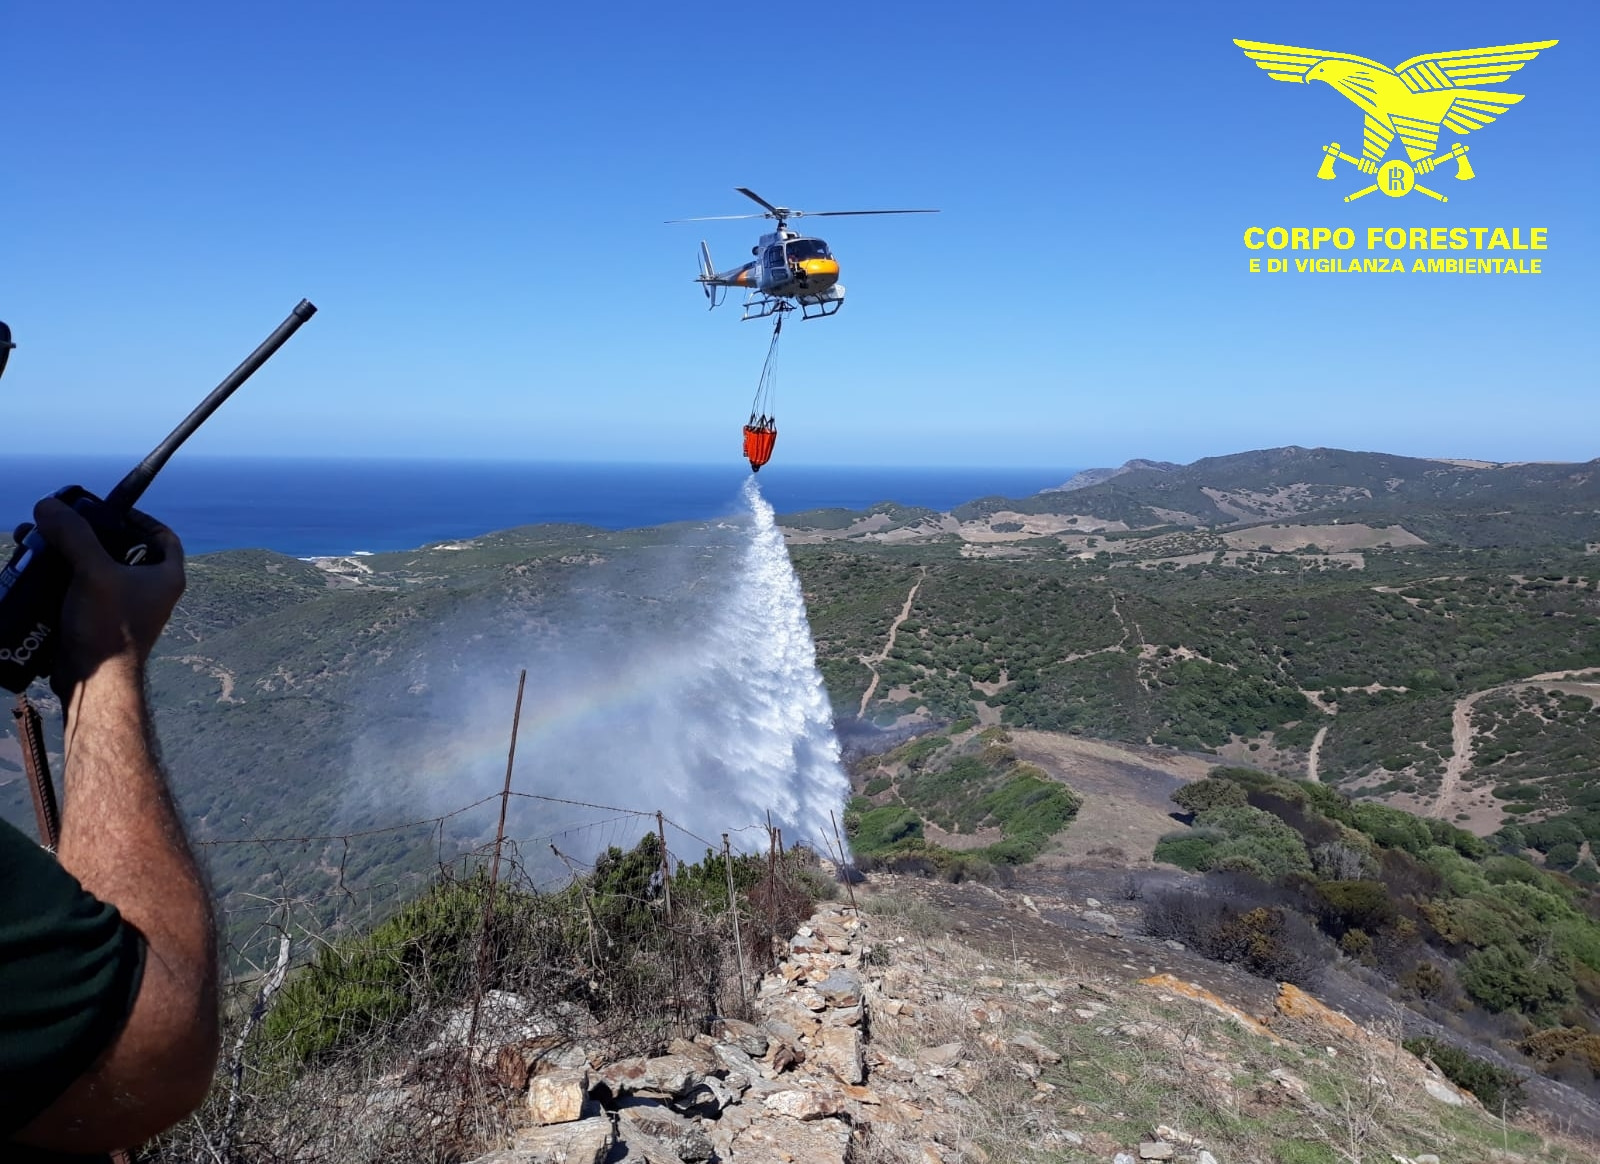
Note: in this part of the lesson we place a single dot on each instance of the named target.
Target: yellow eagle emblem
(1411, 101)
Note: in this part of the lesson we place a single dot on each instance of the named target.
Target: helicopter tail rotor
(708, 274)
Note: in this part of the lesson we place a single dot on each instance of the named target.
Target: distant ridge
(1090, 477)
(1452, 501)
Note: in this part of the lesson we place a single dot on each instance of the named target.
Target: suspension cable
(761, 408)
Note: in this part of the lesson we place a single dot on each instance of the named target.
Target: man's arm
(121, 837)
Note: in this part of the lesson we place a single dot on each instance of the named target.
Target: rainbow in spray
(711, 710)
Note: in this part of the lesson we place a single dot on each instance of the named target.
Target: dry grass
(1135, 1059)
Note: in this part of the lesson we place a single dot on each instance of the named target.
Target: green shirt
(70, 969)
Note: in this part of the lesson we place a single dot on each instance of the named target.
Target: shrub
(1265, 940)
(1546, 835)
(1250, 832)
(1338, 861)
(1505, 980)
(1239, 863)
(882, 827)
(1392, 828)
(1356, 944)
(1354, 905)
(1562, 856)
(1497, 1088)
(1425, 980)
(1550, 1047)
(1029, 804)
(1188, 850)
(1201, 795)
(1406, 876)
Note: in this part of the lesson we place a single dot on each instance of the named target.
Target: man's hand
(112, 612)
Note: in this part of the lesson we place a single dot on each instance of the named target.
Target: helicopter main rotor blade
(837, 213)
(754, 197)
(718, 217)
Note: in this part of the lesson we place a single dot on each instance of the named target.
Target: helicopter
(787, 266)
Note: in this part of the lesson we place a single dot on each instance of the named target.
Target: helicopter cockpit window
(808, 248)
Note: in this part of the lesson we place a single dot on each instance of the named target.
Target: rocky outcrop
(868, 1043)
(800, 1082)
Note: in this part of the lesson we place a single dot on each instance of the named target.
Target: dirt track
(1450, 799)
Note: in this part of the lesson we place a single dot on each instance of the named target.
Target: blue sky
(475, 198)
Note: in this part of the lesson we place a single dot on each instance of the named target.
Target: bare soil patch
(1035, 525)
(1126, 792)
(1338, 538)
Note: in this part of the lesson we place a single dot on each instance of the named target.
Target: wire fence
(396, 1008)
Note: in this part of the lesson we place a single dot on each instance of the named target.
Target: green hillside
(1279, 642)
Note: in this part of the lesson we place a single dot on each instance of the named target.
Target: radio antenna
(132, 487)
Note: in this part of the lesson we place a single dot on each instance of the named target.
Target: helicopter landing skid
(820, 306)
(760, 306)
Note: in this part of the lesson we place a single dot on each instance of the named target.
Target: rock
(698, 1054)
(1091, 903)
(781, 1057)
(558, 1097)
(707, 1097)
(944, 1055)
(834, 938)
(1173, 1136)
(633, 1145)
(1028, 1043)
(1156, 1150)
(841, 988)
(893, 1068)
(1296, 1005)
(1289, 1082)
(1204, 1157)
(1123, 1158)
(822, 1141)
(812, 1103)
(780, 1031)
(1104, 922)
(740, 1069)
(510, 1020)
(748, 1037)
(1425, 1158)
(844, 1016)
(502, 1018)
(584, 1142)
(665, 1076)
(839, 1050)
(1443, 1092)
(682, 1137)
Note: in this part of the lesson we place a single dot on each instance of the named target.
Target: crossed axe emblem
(1396, 178)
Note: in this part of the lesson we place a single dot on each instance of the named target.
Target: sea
(318, 508)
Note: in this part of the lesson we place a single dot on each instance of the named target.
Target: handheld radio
(34, 583)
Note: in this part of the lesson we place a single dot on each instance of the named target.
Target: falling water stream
(778, 731)
(682, 678)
